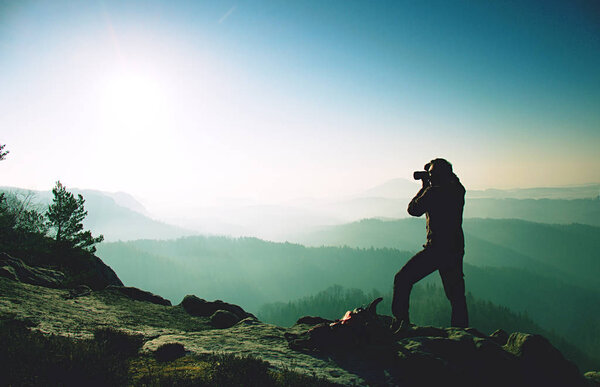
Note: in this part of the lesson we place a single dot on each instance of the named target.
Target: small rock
(169, 352)
(223, 319)
(499, 336)
(78, 291)
(8, 272)
(199, 307)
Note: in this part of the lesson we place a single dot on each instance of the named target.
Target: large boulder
(199, 307)
(99, 275)
(432, 356)
(500, 336)
(541, 363)
(17, 270)
(139, 295)
(79, 266)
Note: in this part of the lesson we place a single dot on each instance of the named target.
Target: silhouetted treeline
(570, 253)
(247, 271)
(24, 224)
(552, 211)
(429, 306)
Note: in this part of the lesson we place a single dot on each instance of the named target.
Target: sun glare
(132, 101)
(134, 119)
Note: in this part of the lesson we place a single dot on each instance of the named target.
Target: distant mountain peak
(587, 191)
(398, 188)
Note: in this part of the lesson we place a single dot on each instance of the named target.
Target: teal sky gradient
(273, 100)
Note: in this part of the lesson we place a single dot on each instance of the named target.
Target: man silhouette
(441, 199)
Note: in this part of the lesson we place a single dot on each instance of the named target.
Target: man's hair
(442, 166)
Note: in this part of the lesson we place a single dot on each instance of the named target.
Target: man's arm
(420, 203)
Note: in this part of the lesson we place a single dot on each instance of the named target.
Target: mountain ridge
(117, 215)
(401, 188)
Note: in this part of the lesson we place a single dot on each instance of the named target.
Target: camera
(421, 175)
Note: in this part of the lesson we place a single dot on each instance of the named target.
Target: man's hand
(426, 183)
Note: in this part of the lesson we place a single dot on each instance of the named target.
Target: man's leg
(454, 286)
(422, 264)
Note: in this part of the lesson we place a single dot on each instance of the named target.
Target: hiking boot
(403, 328)
(397, 324)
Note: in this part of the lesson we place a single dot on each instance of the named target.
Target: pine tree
(3, 153)
(65, 215)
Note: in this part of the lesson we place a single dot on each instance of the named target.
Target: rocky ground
(422, 356)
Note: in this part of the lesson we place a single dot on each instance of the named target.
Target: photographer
(441, 199)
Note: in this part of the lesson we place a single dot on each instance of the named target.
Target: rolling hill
(565, 252)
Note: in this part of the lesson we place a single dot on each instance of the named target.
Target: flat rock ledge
(16, 270)
(139, 295)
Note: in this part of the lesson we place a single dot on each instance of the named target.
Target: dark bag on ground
(357, 328)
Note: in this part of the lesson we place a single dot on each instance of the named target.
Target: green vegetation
(3, 152)
(23, 234)
(111, 358)
(551, 211)
(24, 224)
(19, 216)
(32, 358)
(65, 215)
(572, 250)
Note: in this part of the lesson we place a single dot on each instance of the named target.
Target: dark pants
(422, 264)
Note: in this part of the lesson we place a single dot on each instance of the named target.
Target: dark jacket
(443, 206)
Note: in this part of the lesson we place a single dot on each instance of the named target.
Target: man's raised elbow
(413, 212)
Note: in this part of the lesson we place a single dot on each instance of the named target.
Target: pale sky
(189, 102)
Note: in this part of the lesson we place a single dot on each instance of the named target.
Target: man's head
(440, 171)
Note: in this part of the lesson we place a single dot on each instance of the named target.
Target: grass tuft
(216, 370)
(33, 358)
